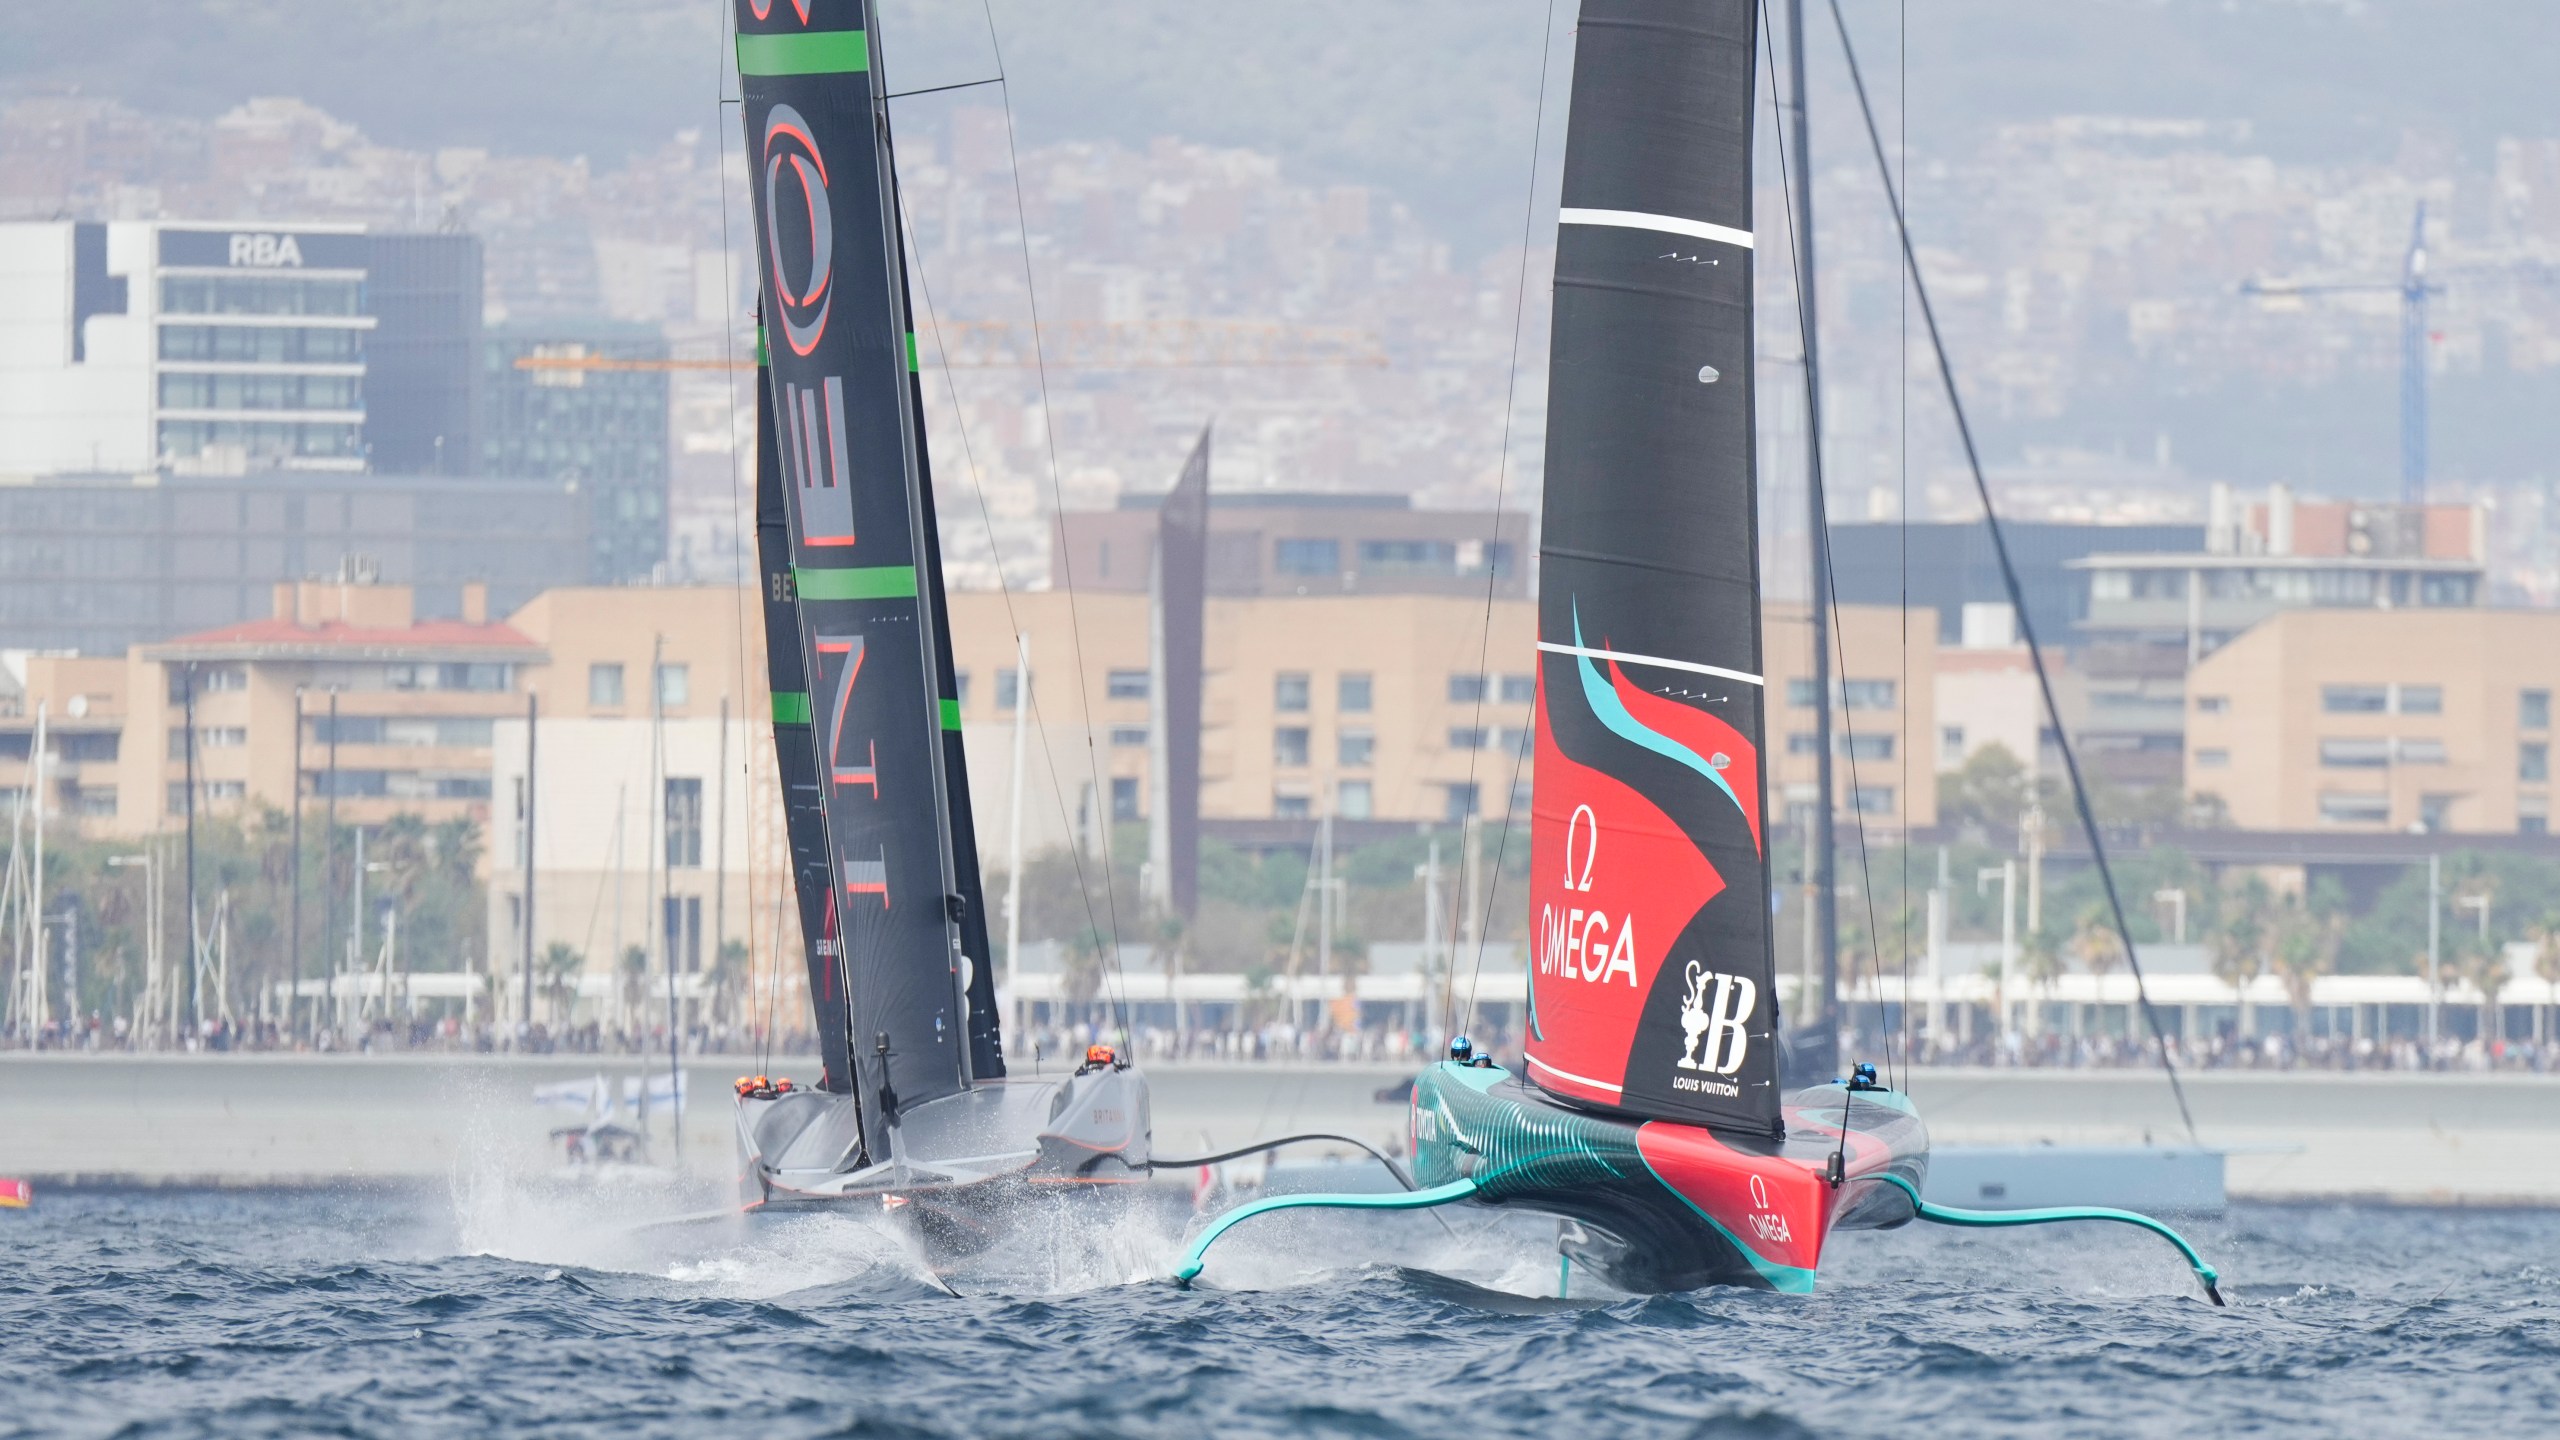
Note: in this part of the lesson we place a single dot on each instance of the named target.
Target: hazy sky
(1429, 99)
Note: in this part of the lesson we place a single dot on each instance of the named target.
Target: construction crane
(2413, 287)
(1182, 344)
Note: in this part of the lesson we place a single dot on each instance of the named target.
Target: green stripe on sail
(950, 714)
(764, 354)
(912, 367)
(790, 707)
(826, 52)
(878, 582)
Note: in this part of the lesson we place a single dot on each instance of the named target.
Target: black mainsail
(1652, 990)
(865, 576)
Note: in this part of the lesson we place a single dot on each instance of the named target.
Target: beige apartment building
(657, 821)
(2379, 720)
(79, 703)
(1377, 707)
(394, 712)
(1405, 708)
(1883, 718)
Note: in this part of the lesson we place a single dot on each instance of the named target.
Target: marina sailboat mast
(882, 840)
(1652, 991)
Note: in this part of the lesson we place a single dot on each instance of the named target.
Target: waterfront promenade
(2479, 1139)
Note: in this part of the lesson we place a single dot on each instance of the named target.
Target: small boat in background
(16, 1194)
(603, 1136)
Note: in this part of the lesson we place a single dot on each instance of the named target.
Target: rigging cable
(1023, 693)
(1401, 1178)
(1501, 484)
(1057, 494)
(737, 556)
(2009, 575)
(1902, 513)
(1820, 514)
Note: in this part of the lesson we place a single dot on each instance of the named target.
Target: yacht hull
(956, 1165)
(1656, 1206)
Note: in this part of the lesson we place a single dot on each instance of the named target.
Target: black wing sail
(795, 751)
(834, 306)
(1652, 988)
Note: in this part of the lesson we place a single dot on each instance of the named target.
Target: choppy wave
(562, 1311)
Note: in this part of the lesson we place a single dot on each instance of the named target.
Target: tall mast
(1013, 848)
(1825, 896)
(328, 856)
(35, 883)
(195, 938)
(293, 928)
(662, 880)
(532, 715)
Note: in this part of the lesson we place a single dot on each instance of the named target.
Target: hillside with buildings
(360, 428)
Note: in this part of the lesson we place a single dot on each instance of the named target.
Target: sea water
(503, 1309)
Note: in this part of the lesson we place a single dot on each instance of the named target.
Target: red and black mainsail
(1650, 990)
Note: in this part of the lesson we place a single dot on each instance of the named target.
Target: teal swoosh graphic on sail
(1604, 702)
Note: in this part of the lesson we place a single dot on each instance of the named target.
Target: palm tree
(2304, 947)
(728, 977)
(1084, 961)
(560, 964)
(635, 983)
(2094, 940)
(2545, 936)
(2484, 964)
(2239, 943)
(1167, 940)
(2040, 965)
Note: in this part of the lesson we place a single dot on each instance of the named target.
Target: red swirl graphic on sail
(1613, 881)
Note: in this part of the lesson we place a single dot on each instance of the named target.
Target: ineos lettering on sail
(866, 774)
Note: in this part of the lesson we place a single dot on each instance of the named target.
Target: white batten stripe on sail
(1577, 1079)
(1667, 224)
(1631, 658)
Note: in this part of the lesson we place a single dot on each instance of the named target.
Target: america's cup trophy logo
(1715, 1015)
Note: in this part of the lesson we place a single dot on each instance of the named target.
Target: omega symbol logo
(1759, 1193)
(1590, 854)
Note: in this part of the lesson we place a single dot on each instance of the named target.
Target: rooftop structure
(2153, 616)
(97, 563)
(1947, 565)
(1281, 542)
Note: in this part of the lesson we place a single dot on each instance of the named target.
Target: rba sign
(266, 252)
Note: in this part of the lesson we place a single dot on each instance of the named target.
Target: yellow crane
(1177, 344)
